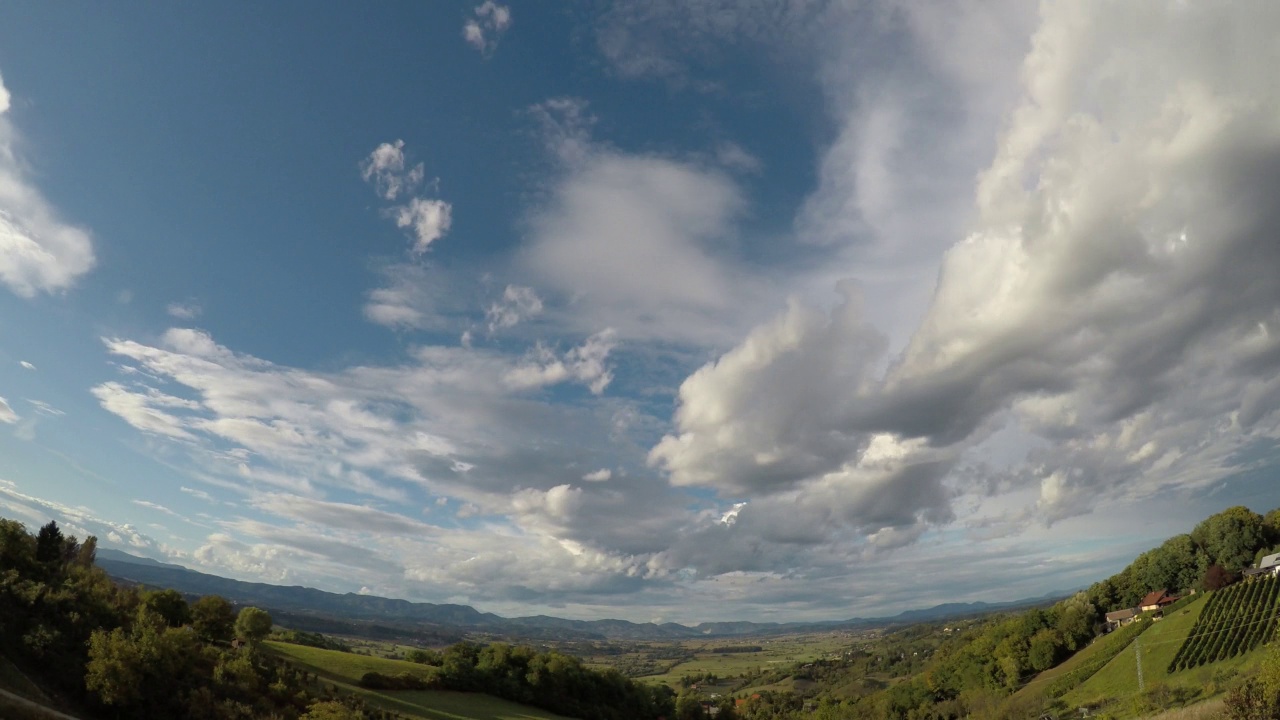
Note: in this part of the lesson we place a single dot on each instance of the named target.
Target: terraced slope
(1237, 619)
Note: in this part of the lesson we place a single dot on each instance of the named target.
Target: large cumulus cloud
(1114, 295)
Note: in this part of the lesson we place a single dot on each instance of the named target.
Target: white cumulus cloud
(428, 219)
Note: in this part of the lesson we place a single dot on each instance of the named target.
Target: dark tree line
(131, 653)
(549, 680)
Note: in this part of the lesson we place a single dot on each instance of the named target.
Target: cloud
(385, 169)
(7, 415)
(183, 311)
(428, 219)
(146, 409)
(26, 365)
(517, 303)
(769, 413)
(639, 243)
(199, 494)
(584, 364)
(154, 506)
(346, 516)
(38, 251)
(733, 157)
(490, 23)
(78, 521)
(684, 43)
(601, 475)
(44, 408)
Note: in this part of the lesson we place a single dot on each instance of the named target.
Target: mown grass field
(345, 669)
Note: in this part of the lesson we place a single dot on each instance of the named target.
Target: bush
(402, 681)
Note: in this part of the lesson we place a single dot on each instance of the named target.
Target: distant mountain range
(310, 609)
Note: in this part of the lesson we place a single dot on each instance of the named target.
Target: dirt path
(36, 706)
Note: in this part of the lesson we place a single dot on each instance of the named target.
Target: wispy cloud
(7, 415)
(39, 252)
(184, 311)
(486, 27)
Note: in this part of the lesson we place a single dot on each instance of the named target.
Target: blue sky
(682, 311)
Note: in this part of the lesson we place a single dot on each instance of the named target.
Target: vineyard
(1236, 620)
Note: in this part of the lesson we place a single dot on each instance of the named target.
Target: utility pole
(1137, 654)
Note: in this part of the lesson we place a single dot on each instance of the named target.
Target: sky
(683, 310)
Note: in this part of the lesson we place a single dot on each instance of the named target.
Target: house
(1120, 618)
(1269, 565)
(1157, 600)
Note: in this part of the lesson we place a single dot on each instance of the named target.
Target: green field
(345, 669)
(775, 652)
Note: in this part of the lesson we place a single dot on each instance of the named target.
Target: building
(1269, 565)
(1120, 618)
(1157, 600)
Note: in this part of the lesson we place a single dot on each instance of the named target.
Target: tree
(170, 605)
(49, 543)
(87, 555)
(423, 657)
(728, 709)
(1217, 577)
(1271, 522)
(330, 710)
(1045, 648)
(145, 669)
(1231, 537)
(253, 625)
(17, 548)
(213, 619)
(688, 707)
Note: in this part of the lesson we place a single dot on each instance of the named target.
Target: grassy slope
(345, 670)
(347, 667)
(1119, 679)
(1103, 645)
(13, 680)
